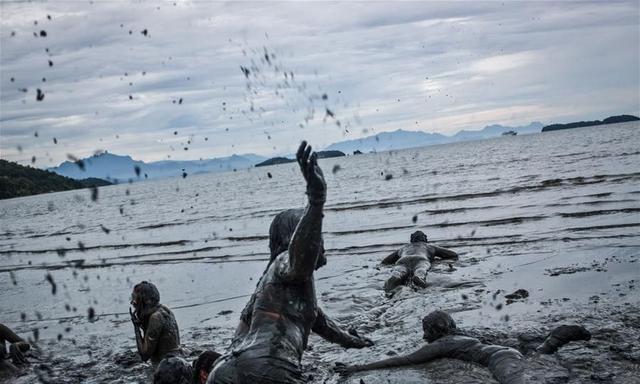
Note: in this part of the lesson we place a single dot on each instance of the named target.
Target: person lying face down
(445, 341)
(16, 348)
(161, 334)
(413, 261)
(275, 327)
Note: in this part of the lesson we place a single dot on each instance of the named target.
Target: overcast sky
(334, 71)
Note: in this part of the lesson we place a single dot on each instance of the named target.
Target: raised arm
(444, 253)
(306, 243)
(423, 355)
(391, 259)
(329, 330)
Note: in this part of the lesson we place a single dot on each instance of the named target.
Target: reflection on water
(514, 208)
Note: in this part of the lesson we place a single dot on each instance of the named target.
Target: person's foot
(418, 282)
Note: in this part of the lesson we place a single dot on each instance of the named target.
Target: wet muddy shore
(555, 215)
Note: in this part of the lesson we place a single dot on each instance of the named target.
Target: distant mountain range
(118, 168)
(401, 139)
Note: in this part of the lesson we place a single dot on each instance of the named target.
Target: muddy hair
(204, 362)
(418, 237)
(147, 293)
(440, 323)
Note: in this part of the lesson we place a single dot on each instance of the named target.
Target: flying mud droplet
(105, 229)
(388, 177)
(54, 287)
(136, 169)
(414, 219)
(50, 63)
(55, 141)
(43, 33)
(61, 252)
(12, 275)
(78, 162)
(91, 314)
(336, 168)
(81, 246)
(184, 175)
(39, 95)
(269, 175)
(94, 193)
(33, 159)
(145, 32)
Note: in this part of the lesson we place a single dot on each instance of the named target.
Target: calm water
(515, 208)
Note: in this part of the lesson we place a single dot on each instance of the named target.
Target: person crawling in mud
(16, 348)
(446, 341)
(161, 335)
(269, 342)
(413, 261)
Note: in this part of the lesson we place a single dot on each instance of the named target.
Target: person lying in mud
(16, 348)
(268, 348)
(413, 261)
(161, 335)
(446, 341)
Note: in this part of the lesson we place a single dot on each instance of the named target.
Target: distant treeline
(17, 180)
(580, 124)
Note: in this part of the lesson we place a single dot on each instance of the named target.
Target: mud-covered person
(446, 341)
(281, 231)
(17, 347)
(413, 261)
(155, 327)
(269, 348)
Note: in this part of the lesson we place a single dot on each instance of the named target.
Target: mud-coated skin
(506, 364)
(16, 347)
(413, 261)
(562, 335)
(269, 347)
(161, 335)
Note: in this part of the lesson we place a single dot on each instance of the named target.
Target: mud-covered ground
(554, 214)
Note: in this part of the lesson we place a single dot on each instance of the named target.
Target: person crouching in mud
(446, 341)
(268, 349)
(161, 335)
(413, 261)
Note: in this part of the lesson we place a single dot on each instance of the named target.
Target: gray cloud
(438, 67)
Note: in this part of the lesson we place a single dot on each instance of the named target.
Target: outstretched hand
(308, 161)
(359, 341)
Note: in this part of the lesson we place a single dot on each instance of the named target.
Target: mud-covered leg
(398, 277)
(419, 277)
